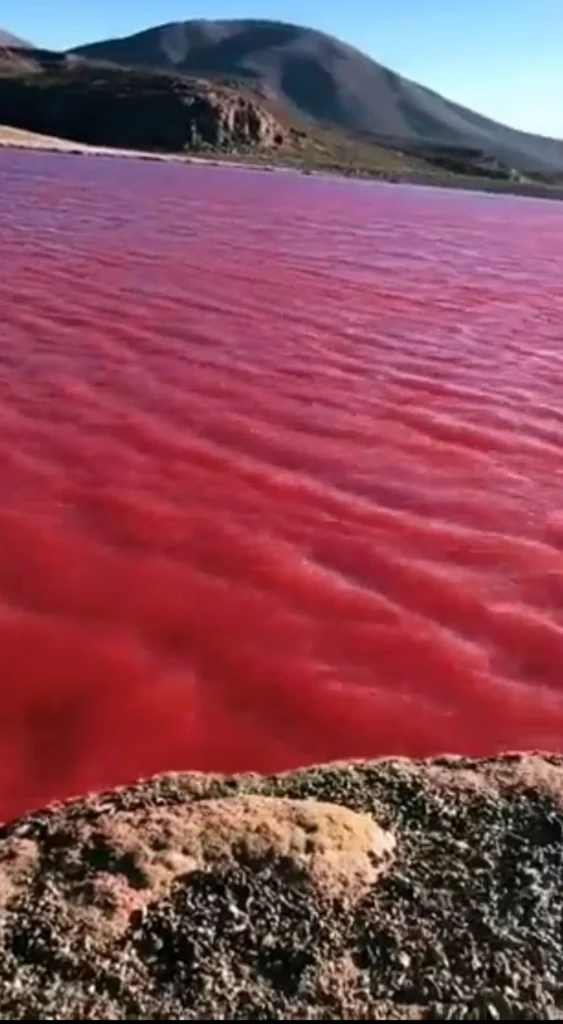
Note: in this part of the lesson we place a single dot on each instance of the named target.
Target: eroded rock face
(101, 106)
(390, 890)
(223, 121)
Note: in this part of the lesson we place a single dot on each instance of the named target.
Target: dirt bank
(18, 138)
(390, 890)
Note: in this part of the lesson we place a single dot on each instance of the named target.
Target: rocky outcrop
(392, 890)
(54, 95)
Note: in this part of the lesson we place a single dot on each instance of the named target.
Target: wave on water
(281, 469)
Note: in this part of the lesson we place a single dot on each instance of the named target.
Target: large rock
(390, 890)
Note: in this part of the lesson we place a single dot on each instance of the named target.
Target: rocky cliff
(107, 106)
(392, 890)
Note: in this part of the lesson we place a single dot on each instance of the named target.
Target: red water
(281, 472)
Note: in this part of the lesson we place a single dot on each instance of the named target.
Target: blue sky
(500, 57)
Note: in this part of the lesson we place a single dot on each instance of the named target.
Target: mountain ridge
(13, 42)
(327, 81)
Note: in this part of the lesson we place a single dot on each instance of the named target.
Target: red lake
(281, 472)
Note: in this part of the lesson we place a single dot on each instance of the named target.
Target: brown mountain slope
(329, 81)
(7, 39)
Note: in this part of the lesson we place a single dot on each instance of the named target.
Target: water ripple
(281, 467)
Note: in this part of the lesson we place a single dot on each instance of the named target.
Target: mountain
(327, 81)
(8, 40)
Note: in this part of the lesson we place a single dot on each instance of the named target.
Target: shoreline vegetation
(21, 139)
(394, 889)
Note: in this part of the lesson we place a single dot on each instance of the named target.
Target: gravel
(385, 890)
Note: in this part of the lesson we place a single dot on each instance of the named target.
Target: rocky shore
(385, 890)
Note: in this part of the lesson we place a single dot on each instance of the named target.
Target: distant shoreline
(20, 139)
